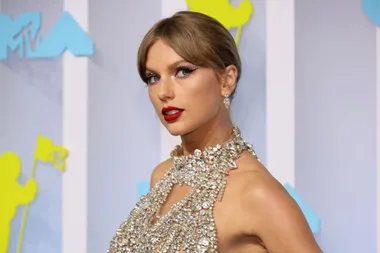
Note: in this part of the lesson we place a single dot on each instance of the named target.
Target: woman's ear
(229, 80)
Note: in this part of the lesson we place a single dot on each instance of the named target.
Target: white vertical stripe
(280, 90)
(378, 134)
(75, 102)
(167, 141)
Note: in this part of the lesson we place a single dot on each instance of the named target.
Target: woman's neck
(210, 134)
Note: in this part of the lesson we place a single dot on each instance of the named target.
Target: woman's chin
(176, 128)
(175, 132)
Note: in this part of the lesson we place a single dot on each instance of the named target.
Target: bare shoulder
(270, 211)
(257, 183)
(263, 192)
(160, 170)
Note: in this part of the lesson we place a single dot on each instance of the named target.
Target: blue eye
(152, 79)
(184, 71)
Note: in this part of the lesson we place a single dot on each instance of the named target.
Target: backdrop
(307, 100)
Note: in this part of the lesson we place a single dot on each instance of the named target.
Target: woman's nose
(166, 89)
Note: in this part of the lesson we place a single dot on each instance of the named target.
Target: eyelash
(178, 69)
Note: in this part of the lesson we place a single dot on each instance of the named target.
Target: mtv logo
(22, 34)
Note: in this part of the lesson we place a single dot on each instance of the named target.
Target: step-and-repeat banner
(79, 137)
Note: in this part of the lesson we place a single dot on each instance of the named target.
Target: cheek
(207, 94)
(153, 98)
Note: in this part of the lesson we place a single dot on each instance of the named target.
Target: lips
(171, 113)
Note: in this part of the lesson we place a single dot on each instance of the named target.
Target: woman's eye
(184, 72)
(152, 79)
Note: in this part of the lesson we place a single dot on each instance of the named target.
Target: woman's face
(184, 95)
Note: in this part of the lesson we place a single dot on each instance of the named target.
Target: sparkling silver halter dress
(189, 225)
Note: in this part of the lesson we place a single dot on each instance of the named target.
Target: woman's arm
(279, 221)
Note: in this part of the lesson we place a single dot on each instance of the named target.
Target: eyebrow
(171, 66)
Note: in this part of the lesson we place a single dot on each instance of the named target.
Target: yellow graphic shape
(48, 152)
(12, 194)
(225, 13)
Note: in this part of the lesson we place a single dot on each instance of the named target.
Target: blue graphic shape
(143, 188)
(65, 35)
(311, 216)
(372, 9)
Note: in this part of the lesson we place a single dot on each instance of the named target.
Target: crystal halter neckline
(189, 224)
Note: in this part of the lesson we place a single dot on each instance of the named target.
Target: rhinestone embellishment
(189, 224)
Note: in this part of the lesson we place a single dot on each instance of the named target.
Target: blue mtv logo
(22, 34)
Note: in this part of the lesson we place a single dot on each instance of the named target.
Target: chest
(189, 219)
(230, 228)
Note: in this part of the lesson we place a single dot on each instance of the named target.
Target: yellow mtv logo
(227, 14)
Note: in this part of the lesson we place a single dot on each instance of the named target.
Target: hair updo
(197, 38)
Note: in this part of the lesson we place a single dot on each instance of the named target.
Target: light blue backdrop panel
(372, 9)
(142, 188)
(309, 214)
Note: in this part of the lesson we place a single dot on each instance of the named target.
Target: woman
(213, 194)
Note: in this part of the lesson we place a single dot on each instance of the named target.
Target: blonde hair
(197, 38)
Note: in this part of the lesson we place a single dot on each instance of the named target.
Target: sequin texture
(189, 225)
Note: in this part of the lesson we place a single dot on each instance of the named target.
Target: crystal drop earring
(227, 100)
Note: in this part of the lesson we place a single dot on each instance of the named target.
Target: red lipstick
(171, 113)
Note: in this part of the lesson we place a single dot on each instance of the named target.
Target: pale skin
(256, 214)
